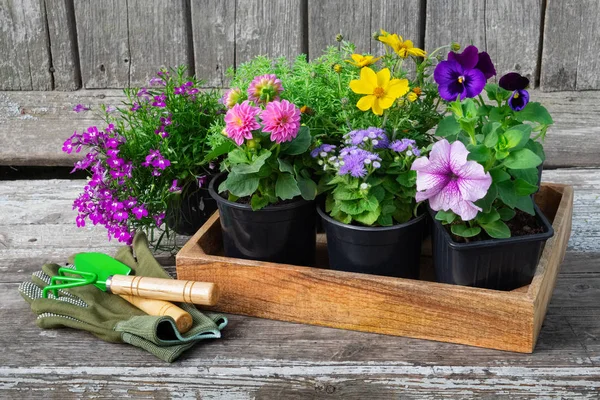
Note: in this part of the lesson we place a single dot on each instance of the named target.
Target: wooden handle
(204, 293)
(183, 319)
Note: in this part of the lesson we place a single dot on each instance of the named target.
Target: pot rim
(270, 208)
(494, 242)
(330, 220)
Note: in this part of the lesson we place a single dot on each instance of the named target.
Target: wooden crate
(393, 306)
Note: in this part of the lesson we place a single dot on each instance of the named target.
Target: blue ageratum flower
(517, 84)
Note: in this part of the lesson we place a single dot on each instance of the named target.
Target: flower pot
(500, 264)
(380, 250)
(277, 233)
(187, 212)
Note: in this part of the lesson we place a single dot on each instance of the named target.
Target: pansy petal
(447, 71)
(474, 82)
(397, 88)
(361, 86)
(466, 210)
(485, 65)
(365, 102)
(383, 77)
(467, 59)
(513, 81)
(450, 91)
(518, 100)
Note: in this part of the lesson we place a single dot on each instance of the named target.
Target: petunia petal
(365, 102)
(458, 156)
(485, 65)
(447, 198)
(397, 88)
(383, 77)
(467, 59)
(473, 181)
(466, 210)
(474, 82)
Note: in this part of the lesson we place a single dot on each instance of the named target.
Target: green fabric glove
(112, 318)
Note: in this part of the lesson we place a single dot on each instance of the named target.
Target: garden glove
(112, 318)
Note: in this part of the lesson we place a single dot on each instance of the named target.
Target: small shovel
(112, 276)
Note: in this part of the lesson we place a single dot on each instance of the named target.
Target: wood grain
(493, 26)
(213, 27)
(183, 320)
(181, 291)
(24, 47)
(352, 19)
(159, 36)
(103, 39)
(403, 17)
(272, 28)
(63, 44)
(569, 59)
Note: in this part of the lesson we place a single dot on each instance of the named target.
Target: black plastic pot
(383, 250)
(277, 233)
(500, 264)
(187, 212)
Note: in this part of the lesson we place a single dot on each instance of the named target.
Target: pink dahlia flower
(282, 119)
(449, 181)
(265, 88)
(241, 121)
(231, 97)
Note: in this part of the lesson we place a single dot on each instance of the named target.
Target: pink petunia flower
(241, 121)
(449, 181)
(282, 119)
(265, 88)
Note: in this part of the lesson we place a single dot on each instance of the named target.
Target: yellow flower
(358, 60)
(401, 47)
(412, 96)
(337, 68)
(380, 90)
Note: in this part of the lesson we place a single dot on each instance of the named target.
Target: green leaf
(524, 188)
(385, 220)
(300, 144)
(529, 175)
(254, 166)
(506, 193)
(308, 188)
(407, 178)
(497, 229)
(499, 175)
(352, 207)
(447, 127)
(240, 185)
(506, 214)
(371, 203)
(391, 185)
(479, 153)
(516, 137)
(534, 112)
(522, 159)
(525, 203)
(469, 108)
(489, 198)
(237, 156)
(342, 193)
(286, 187)
(445, 216)
(285, 166)
(489, 217)
(368, 217)
(329, 203)
(490, 133)
(537, 148)
(464, 231)
(257, 202)
(491, 89)
(223, 148)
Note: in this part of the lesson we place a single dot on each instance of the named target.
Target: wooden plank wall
(70, 44)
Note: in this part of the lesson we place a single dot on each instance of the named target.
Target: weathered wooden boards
(33, 125)
(508, 30)
(263, 359)
(571, 43)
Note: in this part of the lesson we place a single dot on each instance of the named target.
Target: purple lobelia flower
(471, 58)
(456, 81)
(517, 84)
(449, 181)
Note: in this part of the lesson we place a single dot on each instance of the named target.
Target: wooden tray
(393, 306)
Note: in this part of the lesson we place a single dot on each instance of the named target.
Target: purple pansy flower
(80, 108)
(517, 83)
(449, 181)
(454, 80)
(471, 58)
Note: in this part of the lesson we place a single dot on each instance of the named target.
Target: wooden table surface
(259, 358)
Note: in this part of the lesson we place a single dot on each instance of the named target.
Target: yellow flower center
(516, 95)
(379, 92)
(461, 79)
